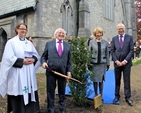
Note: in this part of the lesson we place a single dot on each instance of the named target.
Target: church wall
(97, 18)
(45, 20)
(47, 17)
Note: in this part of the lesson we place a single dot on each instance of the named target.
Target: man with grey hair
(57, 56)
(122, 47)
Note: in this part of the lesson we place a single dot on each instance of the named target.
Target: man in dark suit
(60, 62)
(122, 47)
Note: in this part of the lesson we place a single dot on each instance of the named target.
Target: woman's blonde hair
(96, 30)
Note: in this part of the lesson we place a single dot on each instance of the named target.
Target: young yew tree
(80, 59)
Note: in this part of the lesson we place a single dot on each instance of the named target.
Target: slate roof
(9, 6)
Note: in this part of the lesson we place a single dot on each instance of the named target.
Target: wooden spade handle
(76, 80)
(57, 73)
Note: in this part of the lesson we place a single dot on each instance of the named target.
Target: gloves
(107, 67)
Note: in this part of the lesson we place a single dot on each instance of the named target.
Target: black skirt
(16, 104)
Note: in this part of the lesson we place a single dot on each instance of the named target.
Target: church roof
(13, 6)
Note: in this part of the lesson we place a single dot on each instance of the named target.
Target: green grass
(136, 61)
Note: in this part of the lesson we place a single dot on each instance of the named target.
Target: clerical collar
(21, 39)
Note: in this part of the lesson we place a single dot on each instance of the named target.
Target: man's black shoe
(129, 102)
(116, 99)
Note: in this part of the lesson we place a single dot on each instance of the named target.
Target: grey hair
(58, 30)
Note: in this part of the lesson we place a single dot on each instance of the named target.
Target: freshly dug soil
(89, 107)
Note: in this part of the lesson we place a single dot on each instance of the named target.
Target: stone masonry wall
(47, 17)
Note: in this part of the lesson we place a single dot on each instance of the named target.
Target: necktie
(59, 48)
(121, 42)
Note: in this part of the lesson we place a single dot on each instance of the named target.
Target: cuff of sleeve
(125, 61)
(68, 72)
(116, 61)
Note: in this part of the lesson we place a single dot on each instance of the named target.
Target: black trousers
(51, 85)
(126, 79)
(16, 104)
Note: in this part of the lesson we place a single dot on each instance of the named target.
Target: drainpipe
(77, 16)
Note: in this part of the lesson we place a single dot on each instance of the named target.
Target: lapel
(102, 43)
(95, 45)
(118, 43)
(124, 42)
(54, 45)
(64, 48)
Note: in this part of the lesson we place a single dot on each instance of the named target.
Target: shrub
(80, 59)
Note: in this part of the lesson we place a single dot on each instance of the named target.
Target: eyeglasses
(22, 29)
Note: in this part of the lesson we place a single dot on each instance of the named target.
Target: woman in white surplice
(19, 64)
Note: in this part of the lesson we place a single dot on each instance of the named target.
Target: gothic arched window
(66, 11)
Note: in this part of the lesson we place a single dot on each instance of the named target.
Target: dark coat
(124, 53)
(58, 63)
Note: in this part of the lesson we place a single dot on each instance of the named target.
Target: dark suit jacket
(124, 53)
(55, 62)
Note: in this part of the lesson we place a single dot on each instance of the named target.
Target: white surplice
(18, 81)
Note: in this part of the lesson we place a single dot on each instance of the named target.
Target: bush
(80, 59)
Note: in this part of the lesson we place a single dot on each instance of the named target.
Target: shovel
(62, 75)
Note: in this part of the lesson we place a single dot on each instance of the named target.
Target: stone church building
(77, 17)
